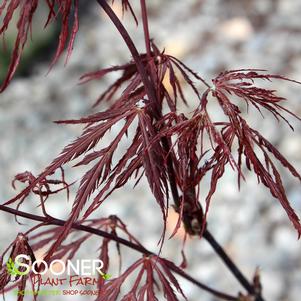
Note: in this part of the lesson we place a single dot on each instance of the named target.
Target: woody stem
(129, 244)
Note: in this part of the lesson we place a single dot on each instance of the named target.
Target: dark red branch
(145, 27)
(129, 244)
(150, 91)
(229, 263)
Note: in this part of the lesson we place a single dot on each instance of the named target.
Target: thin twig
(145, 27)
(127, 243)
(229, 263)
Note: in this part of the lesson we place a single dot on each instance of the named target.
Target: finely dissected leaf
(129, 74)
(102, 173)
(270, 179)
(190, 146)
(75, 27)
(241, 83)
(165, 66)
(68, 250)
(19, 246)
(168, 279)
(157, 274)
(130, 163)
(26, 10)
(90, 137)
(96, 175)
(111, 289)
(188, 134)
(43, 188)
(104, 256)
(154, 163)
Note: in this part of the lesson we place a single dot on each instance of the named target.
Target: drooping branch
(127, 243)
(150, 91)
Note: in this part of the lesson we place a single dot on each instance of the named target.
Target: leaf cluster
(173, 150)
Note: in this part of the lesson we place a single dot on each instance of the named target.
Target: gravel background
(209, 36)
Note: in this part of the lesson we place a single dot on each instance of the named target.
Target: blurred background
(210, 36)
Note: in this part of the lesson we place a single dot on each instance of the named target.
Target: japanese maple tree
(173, 150)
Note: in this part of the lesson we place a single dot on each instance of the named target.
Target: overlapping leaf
(26, 10)
(153, 273)
(191, 137)
(166, 66)
(19, 246)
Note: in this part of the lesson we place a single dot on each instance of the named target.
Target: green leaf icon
(106, 276)
(13, 270)
(10, 265)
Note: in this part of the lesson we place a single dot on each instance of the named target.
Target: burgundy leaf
(19, 246)
(26, 10)
(157, 274)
